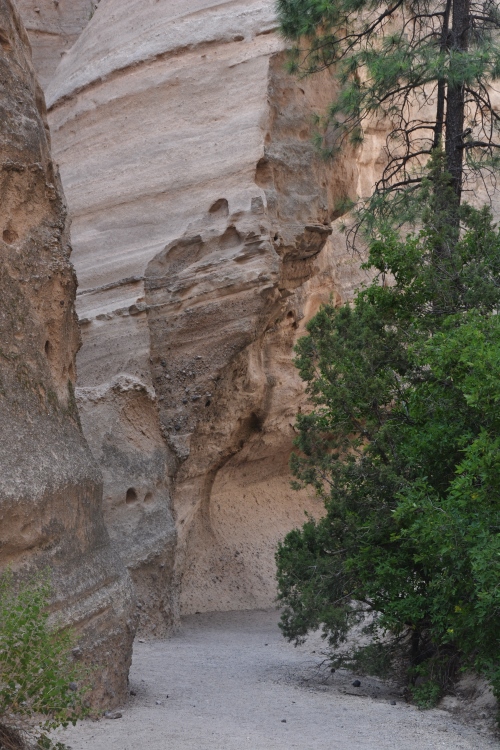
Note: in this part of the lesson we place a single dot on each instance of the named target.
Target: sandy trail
(230, 681)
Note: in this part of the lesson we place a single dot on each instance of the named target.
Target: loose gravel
(229, 681)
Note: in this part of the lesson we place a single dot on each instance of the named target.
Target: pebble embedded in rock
(356, 683)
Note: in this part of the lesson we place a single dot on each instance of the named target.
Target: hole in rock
(208, 402)
(264, 174)
(47, 348)
(148, 497)
(131, 496)
(255, 422)
(9, 236)
(230, 239)
(220, 207)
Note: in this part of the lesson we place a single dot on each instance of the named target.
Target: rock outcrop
(53, 27)
(50, 486)
(201, 227)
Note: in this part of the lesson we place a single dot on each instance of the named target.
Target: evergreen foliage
(40, 684)
(423, 65)
(402, 443)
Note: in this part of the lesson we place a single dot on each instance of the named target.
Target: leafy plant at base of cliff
(38, 678)
(403, 445)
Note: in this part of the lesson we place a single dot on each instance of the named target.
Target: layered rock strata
(53, 27)
(201, 226)
(50, 486)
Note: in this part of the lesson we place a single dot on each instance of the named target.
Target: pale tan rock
(50, 486)
(120, 421)
(53, 27)
(201, 223)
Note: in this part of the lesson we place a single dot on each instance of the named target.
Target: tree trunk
(441, 86)
(455, 110)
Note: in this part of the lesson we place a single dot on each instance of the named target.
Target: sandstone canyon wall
(202, 243)
(53, 27)
(50, 486)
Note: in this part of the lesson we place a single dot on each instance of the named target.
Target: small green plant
(427, 695)
(40, 684)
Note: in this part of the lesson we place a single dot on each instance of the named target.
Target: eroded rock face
(201, 226)
(50, 486)
(53, 27)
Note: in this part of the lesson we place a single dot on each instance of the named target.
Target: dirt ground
(230, 681)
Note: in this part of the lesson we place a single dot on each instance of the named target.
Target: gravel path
(230, 681)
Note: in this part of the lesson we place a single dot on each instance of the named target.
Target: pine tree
(402, 440)
(426, 65)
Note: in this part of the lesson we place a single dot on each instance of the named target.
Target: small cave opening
(220, 207)
(255, 422)
(131, 496)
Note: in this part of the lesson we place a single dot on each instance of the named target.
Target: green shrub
(40, 683)
(403, 445)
